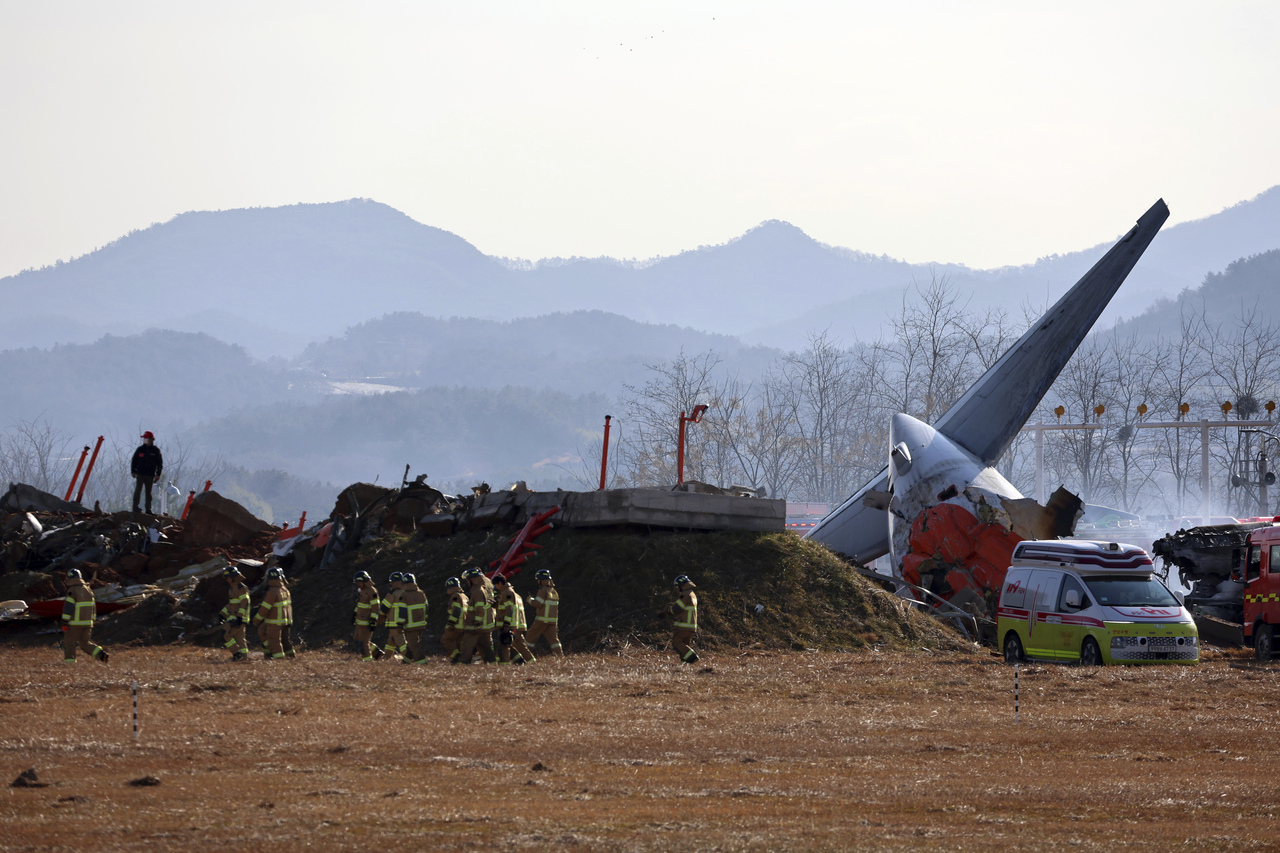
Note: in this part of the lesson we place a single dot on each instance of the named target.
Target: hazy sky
(981, 133)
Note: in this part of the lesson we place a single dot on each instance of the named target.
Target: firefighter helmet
(471, 574)
(409, 578)
(361, 577)
(231, 572)
(74, 575)
(275, 574)
(451, 583)
(682, 580)
(542, 575)
(395, 577)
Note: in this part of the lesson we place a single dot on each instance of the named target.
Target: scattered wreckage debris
(126, 559)
(1210, 561)
(28, 779)
(159, 579)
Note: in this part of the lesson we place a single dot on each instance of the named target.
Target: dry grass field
(629, 751)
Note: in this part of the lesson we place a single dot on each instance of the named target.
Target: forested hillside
(1247, 287)
(159, 380)
(578, 352)
(453, 434)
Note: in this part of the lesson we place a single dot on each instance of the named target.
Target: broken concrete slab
(494, 508)
(24, 498)
(650, 508)
(214, 520)
(358, 498)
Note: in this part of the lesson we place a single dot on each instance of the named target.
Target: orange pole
(604, 453)
(76, 475)
(207, 484)
(680, 452)
(191, 496)
(89, 470)
(694, 419)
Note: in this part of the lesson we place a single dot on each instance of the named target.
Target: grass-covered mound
(614, 583)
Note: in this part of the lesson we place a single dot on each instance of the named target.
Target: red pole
(191, 496)
(696, 418)
(207, 484)
(680, 452)
(76, 475)
(302, 522)
(604, 453)
(89, 470)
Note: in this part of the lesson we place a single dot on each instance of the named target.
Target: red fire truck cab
(1262, 591)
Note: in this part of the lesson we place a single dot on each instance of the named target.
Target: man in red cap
(147, 465)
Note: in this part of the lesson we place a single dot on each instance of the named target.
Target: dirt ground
(631, 751)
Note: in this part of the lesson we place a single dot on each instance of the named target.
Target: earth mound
(755, 590)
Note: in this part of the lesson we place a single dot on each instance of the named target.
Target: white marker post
(135, 711)
(1016, 719)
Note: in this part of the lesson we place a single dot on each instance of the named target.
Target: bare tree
(1087, 381)
(1175, 371)
(1243, 361)
(38, 454)
(936, 352)
(821, 390)
(652, 411)
(1130, 387)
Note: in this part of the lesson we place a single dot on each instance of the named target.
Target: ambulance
(1092, 602)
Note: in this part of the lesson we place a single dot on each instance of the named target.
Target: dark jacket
(147, 461)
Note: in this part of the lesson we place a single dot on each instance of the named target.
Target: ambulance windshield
(1130, 592)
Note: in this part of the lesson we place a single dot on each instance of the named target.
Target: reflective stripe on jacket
(277, 607)
(481, 613)
(366, 606)
(547, 603)
(415, 611)
(79, 608)
(686, 611)
(459, 606)
(237, 603)
(507, 609)
(392, 614)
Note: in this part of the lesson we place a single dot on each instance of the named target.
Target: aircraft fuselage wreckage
(940, 508)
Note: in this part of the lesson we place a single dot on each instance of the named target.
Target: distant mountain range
(273, 279)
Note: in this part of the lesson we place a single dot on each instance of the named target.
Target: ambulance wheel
(1264, 642)
(1090, 654)
(1013, 648)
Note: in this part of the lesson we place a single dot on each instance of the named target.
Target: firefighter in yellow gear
(78, 612)
(366, 616)
(685, 614)
(546, 608)
(286, 630)
(455, 625)
(414, 601)
(274, 614)
(480, 618)
(235, 615)
(511, 623)
(391, 615)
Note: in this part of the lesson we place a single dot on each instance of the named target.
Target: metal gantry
(1204, 425)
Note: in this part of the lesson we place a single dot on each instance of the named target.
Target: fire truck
(1261, 607)
(1233, 571)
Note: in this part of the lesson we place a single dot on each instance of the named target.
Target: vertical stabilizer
(985, 420)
